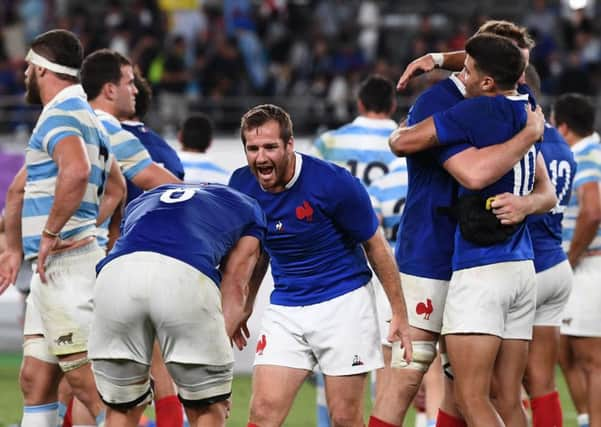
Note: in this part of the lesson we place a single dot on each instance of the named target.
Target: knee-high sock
(169, 412)
(447, 420)
(68, 416)
(40, 415)
(376, 422)
(546, 411)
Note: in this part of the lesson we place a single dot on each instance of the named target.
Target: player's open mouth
(265, 171)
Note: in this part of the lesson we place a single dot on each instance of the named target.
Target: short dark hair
(376, 93)
(101, 67)
(144, 95)
(61, 47)
(510, 30)
(261, 114)
(197, 132)
(497, 57)
(576, 111)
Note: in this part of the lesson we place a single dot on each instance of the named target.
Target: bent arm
(477, 168)
(154, 175)
(114, 193)
(405, 141)
(452, 61)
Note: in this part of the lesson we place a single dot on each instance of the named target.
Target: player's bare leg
(539, 380)
(212, 416)
(82, 383)
(507, 382)
(434, 383)
(588, 356)
(39, 380)
(473, 358)
(401, 385)
(573, 373)
(383, 373)
(273, 391)
(344, 395)
(128, 418)
(168, 409)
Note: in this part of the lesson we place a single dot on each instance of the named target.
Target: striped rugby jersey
(360, 146)
(130, 154)
(199, 167)
(587, 153)
(67, 114)
(388, 195)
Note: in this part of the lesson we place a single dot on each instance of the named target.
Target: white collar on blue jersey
(73, 91)
(458, 83)
(518, 97)
(593, 138)
(132, 123)
(375, 123)
(298, 164)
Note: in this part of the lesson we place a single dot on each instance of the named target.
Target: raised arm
(452, 61)
(243, 271)
(477, 168)
(11, 258)
(382, 262)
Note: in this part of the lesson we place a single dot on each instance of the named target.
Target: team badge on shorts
(261, 344)
(357, 361)
(425, 308)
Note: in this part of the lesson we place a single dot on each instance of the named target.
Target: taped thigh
(424, 353)
(38, 349)
(122, 384)
(202, 385)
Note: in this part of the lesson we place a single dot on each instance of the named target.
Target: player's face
(472, 78)
(270, 159)
(526, 55)
(125, 100)
(32, 92)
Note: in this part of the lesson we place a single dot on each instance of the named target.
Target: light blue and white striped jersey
(67, 114)
(199, 167)
(129, 151)
(360, 146)
(388, 195)
(587, 153)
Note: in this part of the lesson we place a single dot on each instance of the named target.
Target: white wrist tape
(438, 59)
(40, 61)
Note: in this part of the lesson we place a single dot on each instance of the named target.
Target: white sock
(582, 420)
(40, 415)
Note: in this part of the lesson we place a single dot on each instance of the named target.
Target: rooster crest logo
(425, 308)
(261, 344)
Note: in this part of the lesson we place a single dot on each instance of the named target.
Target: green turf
(302, 413)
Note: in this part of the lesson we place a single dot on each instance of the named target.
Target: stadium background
(221, 57)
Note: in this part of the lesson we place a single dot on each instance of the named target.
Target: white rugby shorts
(553, 287)
(496, 299)
(340, 335)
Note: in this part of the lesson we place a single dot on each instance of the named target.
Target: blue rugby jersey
(545, 229)
(424, 245)
(67, 114)
(314, 231)
(160, 152)
(388, 195)
(360, 146)
(200, 167)
(485, 121)
(587, 153)
(196, 224)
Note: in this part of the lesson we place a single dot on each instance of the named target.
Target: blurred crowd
(219, 56)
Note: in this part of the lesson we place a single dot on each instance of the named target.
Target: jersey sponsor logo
(279, 226)
(425, 308)
(305, 212)
(261, 344)
(64, 339)
(357, 361)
